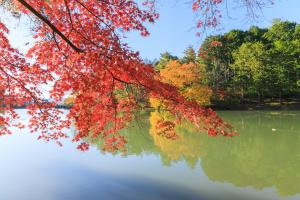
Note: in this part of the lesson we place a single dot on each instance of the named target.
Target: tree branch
(46, 21)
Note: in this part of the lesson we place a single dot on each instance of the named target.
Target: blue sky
(174, 32)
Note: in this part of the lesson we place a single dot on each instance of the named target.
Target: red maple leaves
(79, 46)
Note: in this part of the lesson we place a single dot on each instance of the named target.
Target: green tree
(251, 69)
(284, 56)
(189, 55)
(163, 60)
(259, 61)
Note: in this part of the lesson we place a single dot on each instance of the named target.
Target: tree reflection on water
(266, 154)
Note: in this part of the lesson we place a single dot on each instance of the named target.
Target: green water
(262, 163)
(266, 154)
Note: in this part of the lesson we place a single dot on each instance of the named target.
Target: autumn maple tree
(79, 46)
(187, 77)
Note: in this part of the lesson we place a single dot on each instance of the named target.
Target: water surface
(262, 163)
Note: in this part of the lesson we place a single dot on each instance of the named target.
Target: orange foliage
(69, 100)
(187, 78)
(200, 94)
(178, 74)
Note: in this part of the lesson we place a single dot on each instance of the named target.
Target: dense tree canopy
(257, 62)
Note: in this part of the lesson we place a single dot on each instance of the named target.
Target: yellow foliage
(174, 150)
(187, 78)
(69, 100)
(178, 74)
(200, 94)
(155, 103)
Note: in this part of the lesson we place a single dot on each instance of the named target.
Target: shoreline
(284, 104)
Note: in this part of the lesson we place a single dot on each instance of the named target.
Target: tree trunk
(242, 95)
(258, 98)
(280, 97)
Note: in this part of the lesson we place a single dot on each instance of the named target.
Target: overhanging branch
(46, 21)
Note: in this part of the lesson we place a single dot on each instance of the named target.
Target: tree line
(238, 66)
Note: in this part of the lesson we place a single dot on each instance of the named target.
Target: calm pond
(262, 163)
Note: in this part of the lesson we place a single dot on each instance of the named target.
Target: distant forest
(238, 66)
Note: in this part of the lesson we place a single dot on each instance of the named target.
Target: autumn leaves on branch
(79, 46)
